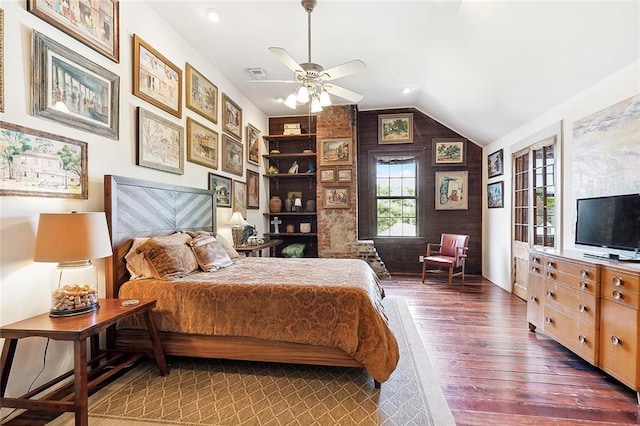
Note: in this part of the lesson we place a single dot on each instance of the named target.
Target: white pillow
(209, 253)
(137, 263)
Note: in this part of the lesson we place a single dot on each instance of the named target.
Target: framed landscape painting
(240, 197)
(232, 156)
(449, 151)
(253, 145)
(202, 144)
(495, 164)
(42, 164)
(160, 143)
(95, 23)
(495, 195)
(231, 117)
(156, 79)
(202, 95)
(72, 90)
(336, 197)
(222, 187)
(253, 190)
(395, 128)
(335, 152)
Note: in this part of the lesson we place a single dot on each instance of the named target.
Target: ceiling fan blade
(343, 93)
(286, 59)
(344, 70)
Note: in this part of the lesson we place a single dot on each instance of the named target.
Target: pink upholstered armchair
(451, 254)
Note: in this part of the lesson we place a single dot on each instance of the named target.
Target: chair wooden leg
(450, 275)
(424, 270)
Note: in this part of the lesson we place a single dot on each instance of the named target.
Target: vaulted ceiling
(482, 68)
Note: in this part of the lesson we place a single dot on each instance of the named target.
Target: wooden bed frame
(137, 208)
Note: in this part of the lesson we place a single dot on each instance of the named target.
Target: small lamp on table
(238, 223)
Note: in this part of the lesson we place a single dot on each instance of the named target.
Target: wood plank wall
(402, 255)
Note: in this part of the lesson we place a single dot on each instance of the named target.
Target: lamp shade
(69, 237)
(237, 219)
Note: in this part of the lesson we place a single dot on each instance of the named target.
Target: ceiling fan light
(303, 95)
(315, 105)
(325, 99)
(291, 101)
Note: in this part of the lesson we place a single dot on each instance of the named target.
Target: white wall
(496, 222)
(24, 285)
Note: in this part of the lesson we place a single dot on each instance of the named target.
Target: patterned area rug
(220, 392)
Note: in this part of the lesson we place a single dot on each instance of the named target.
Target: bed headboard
(137, 208)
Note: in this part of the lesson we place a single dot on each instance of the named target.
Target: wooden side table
(87, 374)
(250, 250)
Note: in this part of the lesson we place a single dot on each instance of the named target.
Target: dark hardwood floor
(494, 371)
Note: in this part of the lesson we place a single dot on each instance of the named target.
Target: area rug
(220, 392)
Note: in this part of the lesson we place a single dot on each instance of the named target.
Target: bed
(258, 309)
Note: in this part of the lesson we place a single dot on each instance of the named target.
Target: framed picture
(344, 175)
(232, 155)
(449, 151)
(95, 23)
(328, 175)
(72, 90)
(395, 128)
(335, 152)
(451, 190)
(240, 197)
(495, 164)
(159, 143)
(253, 145)
(156, 79)
(336, 197)
(495, 196)
(253, 190)
(202, 144)
(231, 117)
(1, 60)
(222, 186)
(42, 164)
(202, 95)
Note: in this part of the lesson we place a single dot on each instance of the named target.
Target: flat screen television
(609, 222)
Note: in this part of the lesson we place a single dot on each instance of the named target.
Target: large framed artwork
(160, 143)
(240, 197)
(42, 164)
(395, 128)
(449, 151)
(222, 187)
(253, 190)
(335, 152)
(451, 190)
(202, 144)
(232, 155)
(495, 195)
(156, 79)
(202, 95)
(231, 117)
(72, 90)
(95, 23)
(253, 145)
(495, 164)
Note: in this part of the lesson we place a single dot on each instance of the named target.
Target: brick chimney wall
(337, 227)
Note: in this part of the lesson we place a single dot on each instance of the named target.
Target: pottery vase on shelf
(305, 227)
(291, 229)
(288, 204)
(311, 205)
(275, 204)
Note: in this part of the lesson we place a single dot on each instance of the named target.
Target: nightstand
(257, 249)
(87, 373)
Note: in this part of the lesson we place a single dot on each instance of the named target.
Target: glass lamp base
(73, 289)
(69, 313)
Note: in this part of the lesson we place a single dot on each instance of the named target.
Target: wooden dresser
(589, 305)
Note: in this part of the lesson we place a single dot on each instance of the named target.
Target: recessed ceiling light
(212, 15)
(406, 90)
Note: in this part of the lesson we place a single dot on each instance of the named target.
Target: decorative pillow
(170, 256)
(228, 247)
(209, 253)
(137, 264)
(293, 250)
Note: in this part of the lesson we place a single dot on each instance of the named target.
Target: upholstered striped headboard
(137, 208)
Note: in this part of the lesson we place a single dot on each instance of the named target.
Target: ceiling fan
(312, 78)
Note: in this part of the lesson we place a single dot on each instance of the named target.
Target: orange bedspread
(326, 302)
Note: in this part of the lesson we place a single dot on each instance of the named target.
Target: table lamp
(72, 240)
(238, 223)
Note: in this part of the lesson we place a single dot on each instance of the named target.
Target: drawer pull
(549, 274)
(617, 281)
(535, 269)
(535, 259)
(584, 273)
(583, 285)
(582, 308)
(616, 340)
(582, 339)
(550, 265)
(534, 299)
(548, 320)
(549, 294)
(617, 295)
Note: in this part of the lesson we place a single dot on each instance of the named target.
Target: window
(396, 196)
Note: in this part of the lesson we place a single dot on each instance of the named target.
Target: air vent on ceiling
(257, 73)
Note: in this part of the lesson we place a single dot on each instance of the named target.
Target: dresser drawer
(575, 335)
(619, 342)
(535, 296)
(621, 295)
(616, 278)
(574, 303)
(587, 285)
(585, 271)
